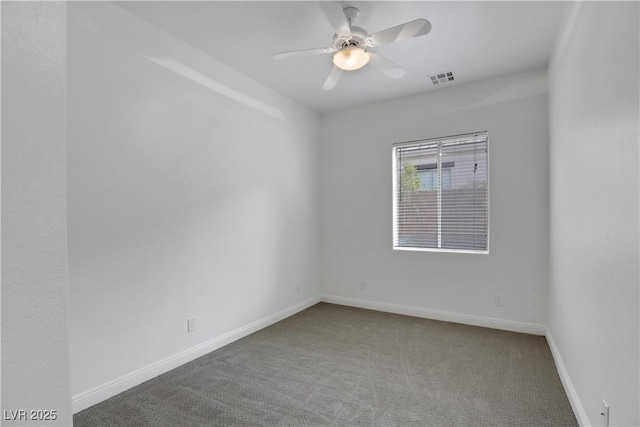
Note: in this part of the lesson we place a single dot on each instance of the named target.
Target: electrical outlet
(297, 289)
(605, 413)
(191, 324)
(499, 300)
(363, 286)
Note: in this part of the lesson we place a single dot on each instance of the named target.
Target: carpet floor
(332, 365)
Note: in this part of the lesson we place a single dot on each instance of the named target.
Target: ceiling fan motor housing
(358, 39)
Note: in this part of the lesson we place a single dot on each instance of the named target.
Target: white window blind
(441, 194)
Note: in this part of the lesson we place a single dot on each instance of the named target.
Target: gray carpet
(339, 366)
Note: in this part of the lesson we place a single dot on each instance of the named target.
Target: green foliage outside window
(409, 178)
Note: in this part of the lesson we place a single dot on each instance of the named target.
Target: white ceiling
(475, 39)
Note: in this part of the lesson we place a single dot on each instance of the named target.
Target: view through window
(441, 194)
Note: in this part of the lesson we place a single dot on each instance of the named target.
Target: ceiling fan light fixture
(351, 58)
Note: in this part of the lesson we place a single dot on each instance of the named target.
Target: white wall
(356, 201)
(35, 358)
(594, 273)
(193, 192)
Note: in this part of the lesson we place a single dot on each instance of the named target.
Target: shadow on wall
(209, 83)
(534, 84)
(101, 24)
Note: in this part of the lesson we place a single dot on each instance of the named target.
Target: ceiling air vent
(440, 78)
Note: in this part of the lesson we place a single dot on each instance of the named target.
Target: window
(429, 177)
(441, 194)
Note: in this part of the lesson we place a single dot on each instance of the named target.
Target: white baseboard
(104, 391)
(487, 322)
(574, 400)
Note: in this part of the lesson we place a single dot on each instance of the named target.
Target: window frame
(394, 195)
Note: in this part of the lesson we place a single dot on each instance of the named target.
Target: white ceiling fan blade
(385, 66)
(416, 28)
(303, 52)
(333, 78)
(335, 15)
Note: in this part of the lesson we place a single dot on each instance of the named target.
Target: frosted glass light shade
(351, 58)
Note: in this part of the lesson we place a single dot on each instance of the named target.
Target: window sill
(459, 251)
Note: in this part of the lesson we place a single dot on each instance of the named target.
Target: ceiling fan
(351, 44)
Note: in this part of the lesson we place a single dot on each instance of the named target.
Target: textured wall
(193, 192)
(35, 363)
(356, 187)
(593, 301)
